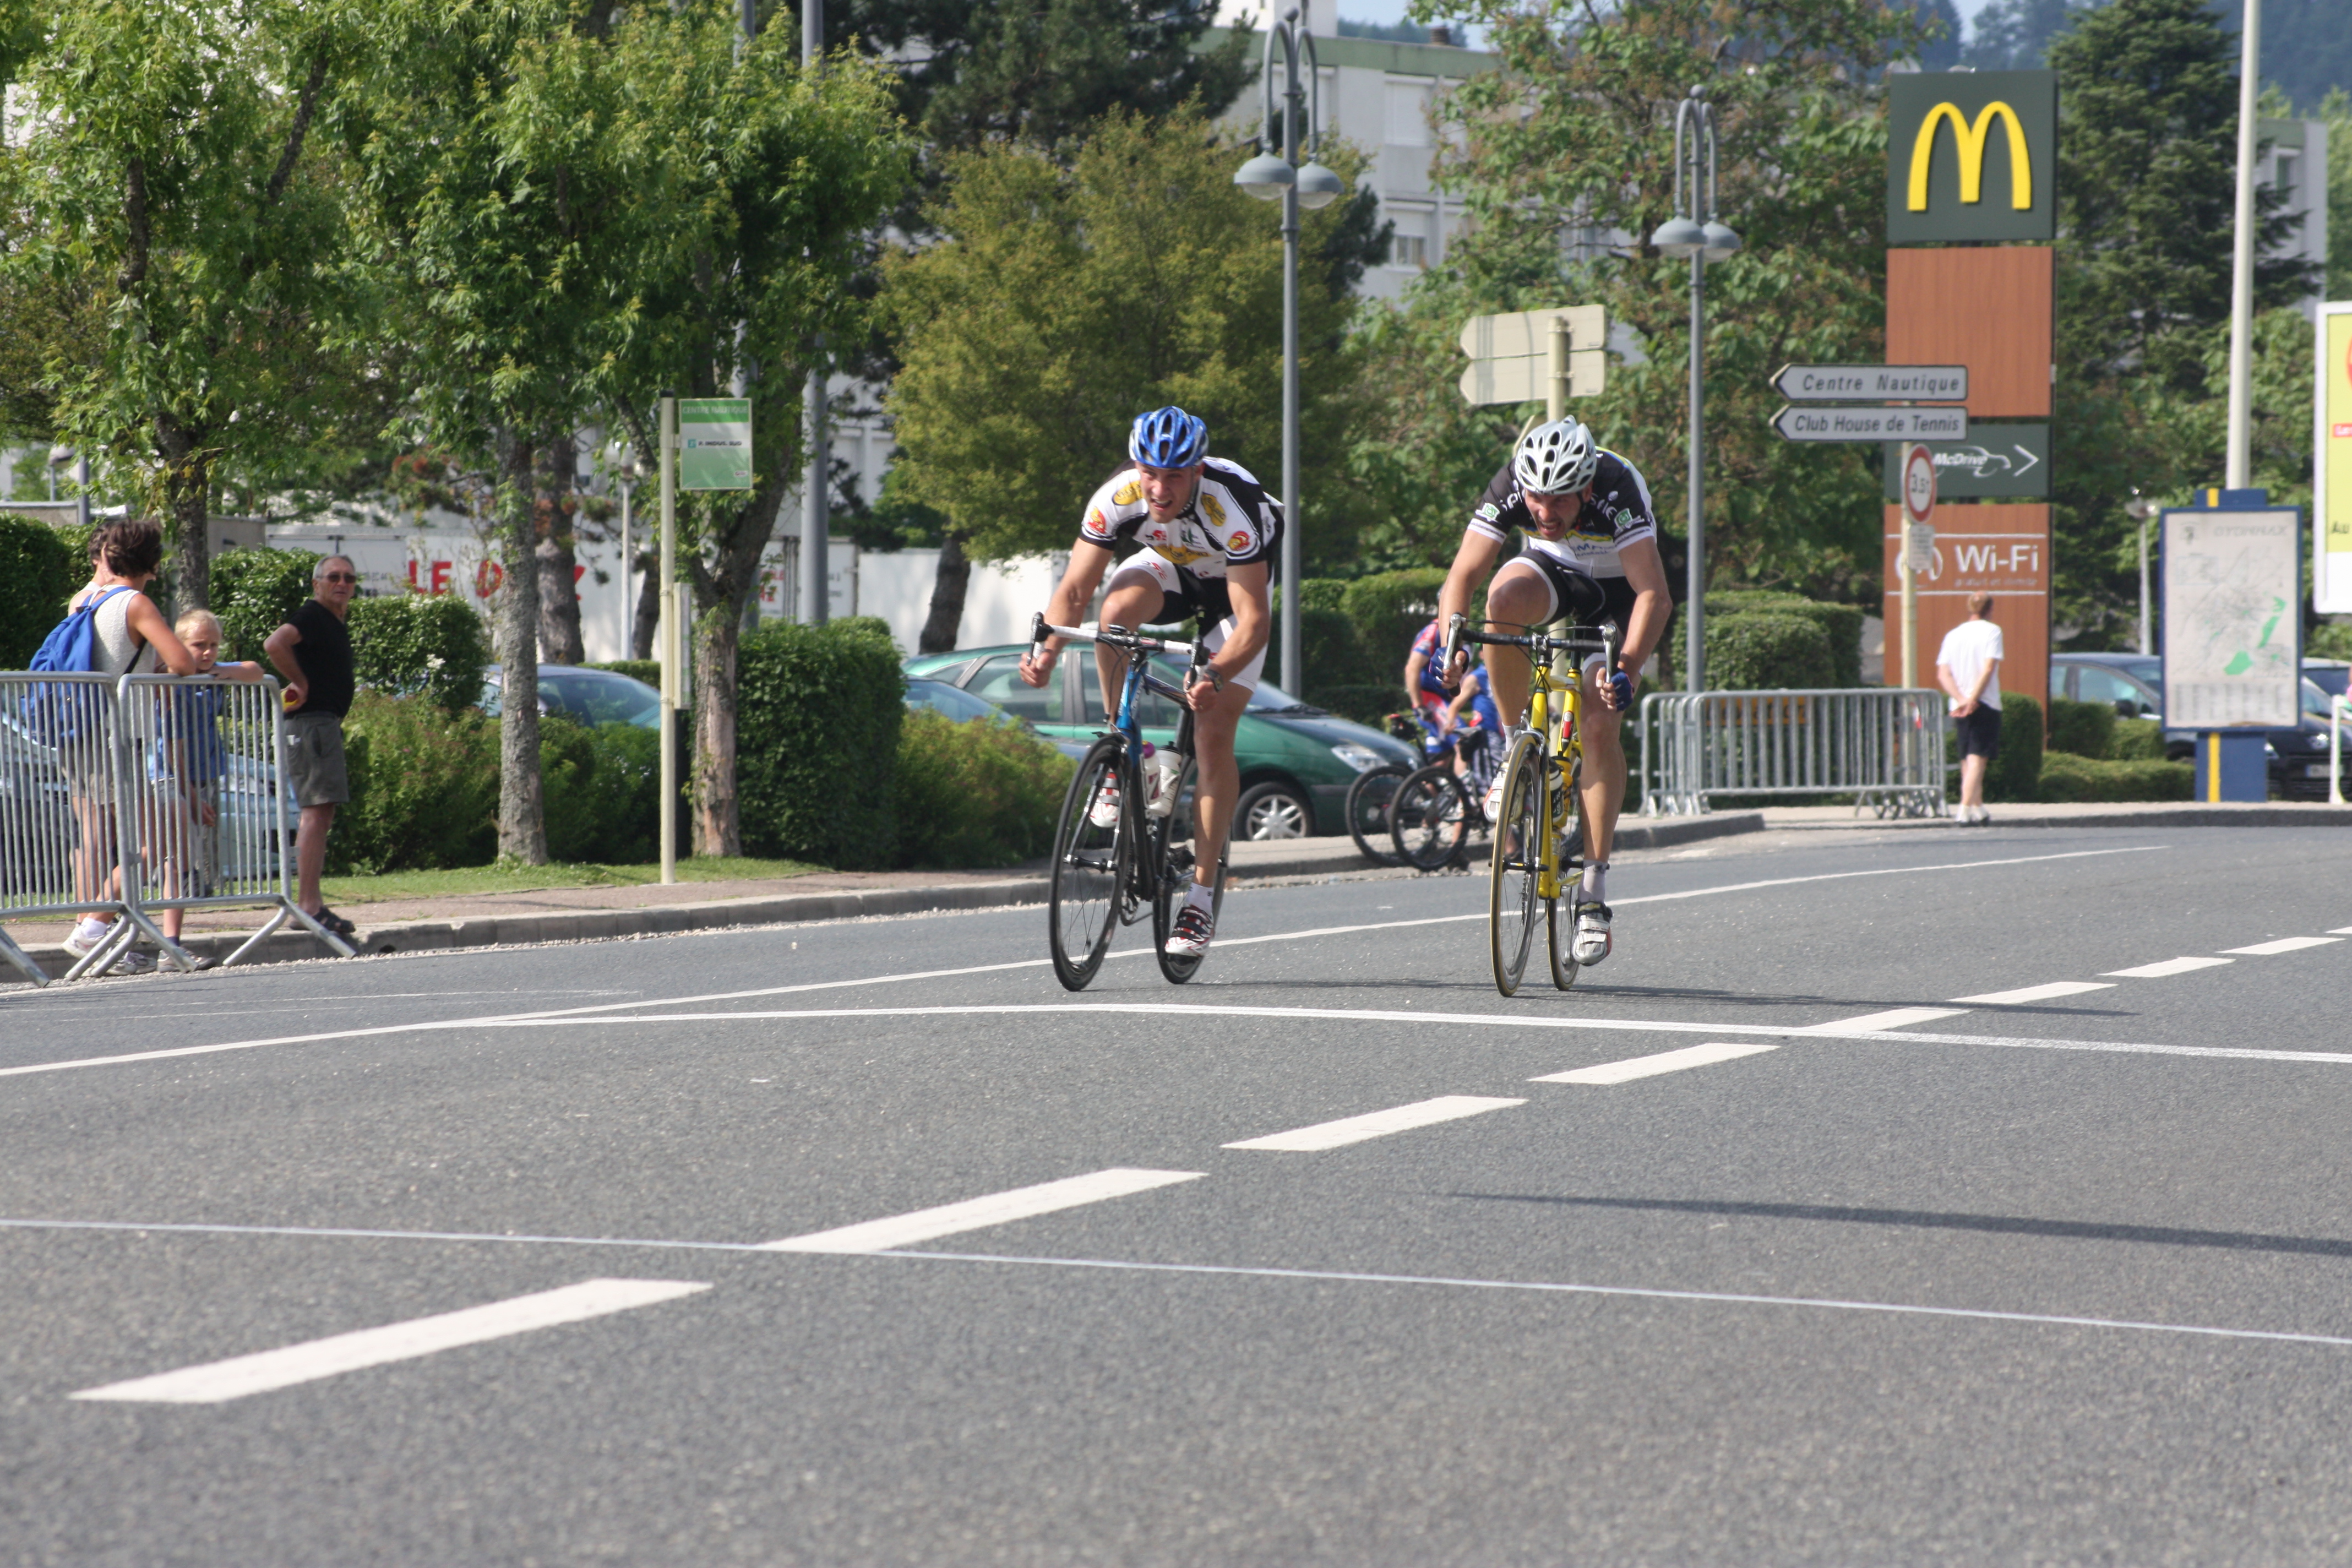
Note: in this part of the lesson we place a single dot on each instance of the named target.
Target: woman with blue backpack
(110, 628)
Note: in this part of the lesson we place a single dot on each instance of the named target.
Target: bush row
(2093, 755)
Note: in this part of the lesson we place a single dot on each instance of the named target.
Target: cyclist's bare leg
(1215, 719)
(1134, 601)
(1516, 599)
(1603, 791)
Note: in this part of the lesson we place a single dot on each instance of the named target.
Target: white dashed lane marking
(1665, 1061)
(2056, 988)
(1894, 1018)
(1377, 1124)
(978, 1214)
(2284, 945)
(2170, 967)
(215, 1381)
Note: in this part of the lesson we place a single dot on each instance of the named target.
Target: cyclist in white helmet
(1209, 536)
(1590, 553)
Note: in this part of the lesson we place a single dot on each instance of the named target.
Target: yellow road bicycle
(1538, 842)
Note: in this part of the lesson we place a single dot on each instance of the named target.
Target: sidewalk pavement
(598, 914)
(2085, 813)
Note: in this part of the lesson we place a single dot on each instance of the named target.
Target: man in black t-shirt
(312, 655)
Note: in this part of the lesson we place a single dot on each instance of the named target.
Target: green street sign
(1971, 155)
(1999, 462)
(714, 443)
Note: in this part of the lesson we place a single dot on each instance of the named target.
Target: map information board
(2232, 630)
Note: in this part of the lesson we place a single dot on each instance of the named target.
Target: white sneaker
(1104, 812)
(1592, 933)
(86, 937)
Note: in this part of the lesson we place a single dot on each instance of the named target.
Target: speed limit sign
(1919, 485)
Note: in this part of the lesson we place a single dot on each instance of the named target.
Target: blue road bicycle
(1118, 850)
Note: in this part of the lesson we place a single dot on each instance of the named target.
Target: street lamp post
(2139, 511)
(1685, 234)
(1296, 185)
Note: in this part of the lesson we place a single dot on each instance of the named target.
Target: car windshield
(601, 696)
(2315, 702)
(940, 697)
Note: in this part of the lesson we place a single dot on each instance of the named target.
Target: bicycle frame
(1563, 748)
(1138, 650)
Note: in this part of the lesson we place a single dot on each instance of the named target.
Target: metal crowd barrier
(128, 795)
(1884, 746)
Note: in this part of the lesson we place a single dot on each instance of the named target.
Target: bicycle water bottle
(1161, 771)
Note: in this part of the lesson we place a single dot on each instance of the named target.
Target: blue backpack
(61, 713)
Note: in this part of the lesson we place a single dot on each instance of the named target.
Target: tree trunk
(717, 812)
(187, 507)
(522, 819)
(946, 620)
(647, 620)
(559, 565)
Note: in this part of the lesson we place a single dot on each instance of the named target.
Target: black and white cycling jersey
(1231, 522)
(1616, 512)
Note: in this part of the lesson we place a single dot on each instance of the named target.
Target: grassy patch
(530, 878)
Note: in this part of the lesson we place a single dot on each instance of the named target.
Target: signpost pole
(1556, 393)
(665, 638)
(1918, 471)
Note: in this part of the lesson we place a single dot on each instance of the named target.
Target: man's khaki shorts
(314, 759)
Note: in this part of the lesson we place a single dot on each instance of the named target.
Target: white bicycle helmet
(1556, 459)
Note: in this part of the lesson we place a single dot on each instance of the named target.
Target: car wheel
(1271, 811)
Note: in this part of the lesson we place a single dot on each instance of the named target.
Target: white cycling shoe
(1194, 928)
(1591, 943)
(1104, 812)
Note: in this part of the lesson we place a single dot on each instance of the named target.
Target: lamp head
(1720, 242)
(1679, 237)
(1318, 186)
(1265, 178)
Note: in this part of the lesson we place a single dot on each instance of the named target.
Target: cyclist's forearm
(1642, 631)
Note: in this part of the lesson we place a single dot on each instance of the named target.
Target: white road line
(1726, 1298)
(2056, 988)
(178, 1051)
(2341, 931)
(1665, 1061)
(2284, 945)
(1496, 1020)
(1376, 1124)
(1892, 1018)
(978, 1214)
(2170, 967)
(238, 1376)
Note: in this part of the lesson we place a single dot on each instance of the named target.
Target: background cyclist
(1464, 719)
(1590, 553)
(1209, 533)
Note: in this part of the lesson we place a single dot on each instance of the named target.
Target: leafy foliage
(2068, 778)
(2082, 729)
(256, 591)
(1767, 650)
(975, 794)
(421, 644)
(38, 575)
(1841, 625)
(2016, 770)
(818, 718)
(1063, 301)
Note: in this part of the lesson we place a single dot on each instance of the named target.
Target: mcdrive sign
(1971, 155)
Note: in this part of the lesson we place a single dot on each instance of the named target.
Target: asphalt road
(2047, 1280)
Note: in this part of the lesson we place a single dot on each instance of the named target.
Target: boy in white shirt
(1969, 667)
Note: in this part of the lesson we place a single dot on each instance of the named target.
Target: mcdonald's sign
(1971, 155)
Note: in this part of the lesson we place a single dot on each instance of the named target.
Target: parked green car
(1297, 761)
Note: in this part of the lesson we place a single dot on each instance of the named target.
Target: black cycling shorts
(1588, 601)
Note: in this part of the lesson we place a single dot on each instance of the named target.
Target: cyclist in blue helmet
(1203, 536)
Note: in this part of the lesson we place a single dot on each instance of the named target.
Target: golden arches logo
(1970, 143)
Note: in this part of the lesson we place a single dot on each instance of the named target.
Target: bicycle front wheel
(1369, 800)
(1430, 818)
(1091, 863)
(1517, 865)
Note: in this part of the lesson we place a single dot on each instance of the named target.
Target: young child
(190, 755)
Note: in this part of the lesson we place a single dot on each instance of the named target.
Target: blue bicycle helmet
(1167, 438)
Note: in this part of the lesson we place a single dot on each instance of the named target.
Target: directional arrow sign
(1879, 382)
(2002, 461)
(1871, 424)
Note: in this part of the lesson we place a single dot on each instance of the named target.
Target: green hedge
(2082, 729)
(2069, 777)
(2016, 771)
(1387, 612)
(421, 644)
(254, 592)
(1766, 650)
(975, 792)
(818, 714)
(2137, 741)
(646, 669)
(1841, 626)
(39, 570)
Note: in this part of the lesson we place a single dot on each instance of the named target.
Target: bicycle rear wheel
(1518, 856)
(1175, 861)
(1369, 800)
(1430, 818)
(1091, 866)
(1561, 920)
